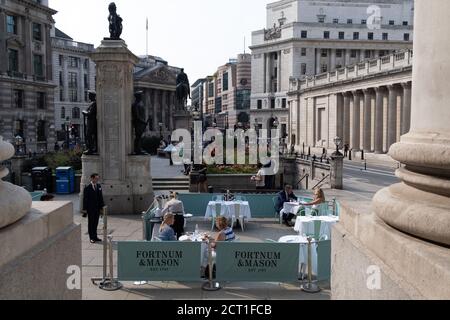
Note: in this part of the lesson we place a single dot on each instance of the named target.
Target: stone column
(48, 70)
(163, 109)
(3, 45)
(279, 72)
(172, 106)
(155, 110)
(268, 72)
(27, 57)
(81, 86)
(379, 92)
(347, 102)
(347, 57)
(420, 206)
(65, 74)
(367, 145)
(265, 72)
(406, 108)
(355, 143)
(318, 58)
(333, 60)
(340, 115)
(392, 116)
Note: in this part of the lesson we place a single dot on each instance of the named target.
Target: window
(391, 22)
(341, 35)
(38, 67)
(406, 37)
(326, 35)
(303, 68)
(324, 53)
(354, 53)
(324, 68)
(304, 34)
(382, 53)
(338, 66)
(303, 52)
(61, 94)
(367, 54)
(225, 82)
(349, 21)
(363, 21)
(385, 36)
(86, 64)
(211, 90)
(41, 136)
(370, 36)
(259, 104)
(18, 99)
(76, 113)
(335, 20)
(63, 113)
(13, 59)
(40, 100)
(61, 80)
(283, 103)
(405, 23)
(73, 87)
(355, 35)
(73, 62)
(272, 103)
(11, 24)
(339, 53)
(86, 81)
(61, 60)
(37, 32)
(321, 19)
(19, 128)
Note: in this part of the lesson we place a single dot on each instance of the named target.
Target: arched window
(76, 113)
(63, 113)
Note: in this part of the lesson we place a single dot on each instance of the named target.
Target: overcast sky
(199, 35)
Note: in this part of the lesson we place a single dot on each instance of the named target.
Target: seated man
(286, 196)
(175, 207)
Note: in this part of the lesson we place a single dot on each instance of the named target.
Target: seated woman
(319, 198)
(166, 233)
(225, 234)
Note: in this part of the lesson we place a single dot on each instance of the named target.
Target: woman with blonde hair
(319, 198)
(225, 231)
(166, 233)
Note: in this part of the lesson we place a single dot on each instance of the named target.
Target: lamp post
(19, 143)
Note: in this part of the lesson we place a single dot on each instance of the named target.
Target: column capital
(406, 85)
(367, 91)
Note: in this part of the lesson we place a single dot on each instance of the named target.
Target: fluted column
(268, 72)
(379, 96)
(155, 110)
(406, 108)
(340, 115)
(318, 66)
(279, 72)
(164, 107)
(333, 60)
(420, 206)
(367, 144)
(392, 116)
(347, 100)
(356, 138)
(171, 97)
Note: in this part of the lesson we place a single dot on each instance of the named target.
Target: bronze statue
(139, 122)
(115, 22)
(183, 90)
(90, 126)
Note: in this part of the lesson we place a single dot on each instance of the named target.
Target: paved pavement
(160, 168)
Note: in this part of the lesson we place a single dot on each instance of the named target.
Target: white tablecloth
(204, 247)
(303, 252)
(305, 225)
(228, 209)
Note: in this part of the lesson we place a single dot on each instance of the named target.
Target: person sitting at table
(319, 198)
(286, 196)
(226, 233)
(175, 207)
(166, 232)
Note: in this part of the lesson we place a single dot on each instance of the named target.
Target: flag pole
(146, 39)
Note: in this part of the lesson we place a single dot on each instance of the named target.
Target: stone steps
(171, 184)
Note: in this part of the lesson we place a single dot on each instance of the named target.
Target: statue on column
(115, 22)
(183, 90)
(139, 122)
(90, 125)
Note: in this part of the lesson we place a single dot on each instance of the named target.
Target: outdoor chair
(237, 216)
(217, 198)
(278, 215)
(216, 213)
(240, 198)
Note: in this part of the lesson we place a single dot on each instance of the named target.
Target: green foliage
(55, 160)
(151, 144)
(233, 169)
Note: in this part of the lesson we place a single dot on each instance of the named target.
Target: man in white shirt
(175, 207)
(260, 178)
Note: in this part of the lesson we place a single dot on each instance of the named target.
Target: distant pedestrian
(56, 147)
(346, 149)
(92, 206)
(259, 178)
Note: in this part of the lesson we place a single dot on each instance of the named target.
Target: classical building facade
(157, 79)
(74, 76)
(368, 105)
(305, 38)
(226, 94)
(26, 79)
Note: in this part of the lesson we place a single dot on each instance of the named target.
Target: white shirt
(261, 175)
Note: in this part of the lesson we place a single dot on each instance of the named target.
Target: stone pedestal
(337, 171)
(182, 120)
(126, 179)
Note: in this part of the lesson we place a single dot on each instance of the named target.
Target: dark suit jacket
(93, 200)
(282, 198)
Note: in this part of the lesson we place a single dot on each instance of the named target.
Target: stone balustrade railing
(61, 43)
(387, 63)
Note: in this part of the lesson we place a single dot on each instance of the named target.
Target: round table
(303, 257)
(204, 246)
(306, 225)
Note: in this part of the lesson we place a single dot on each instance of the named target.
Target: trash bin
(65, 180)
(42, 179)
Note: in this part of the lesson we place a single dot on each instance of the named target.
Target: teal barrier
(159, 261)
(36, 196)
(324, 260)
(264, 262)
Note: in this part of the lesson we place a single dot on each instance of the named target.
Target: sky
(198, 35)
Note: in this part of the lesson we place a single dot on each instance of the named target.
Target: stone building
(26, 79)
(74, 76)
(368, 105)
(304, 38)
(157, 79)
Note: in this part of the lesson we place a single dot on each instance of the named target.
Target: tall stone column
(81, 81)
(347, 101)
(268, 72)
(164, 107)
(367, 138)
(155, 110)
(318, 58)
(126, 178)
(279, 72)
(379, 92)
(420, 206)
(172, 106)
(356, 138)
(392, 116)
(406, 108)
(333, 60)
(3, 45)
(65, 74)
(340, 115)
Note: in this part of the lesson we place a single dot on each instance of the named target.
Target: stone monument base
(122, 197)
(37, 252)
(410, 268)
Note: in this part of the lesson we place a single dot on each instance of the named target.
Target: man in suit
(285, 196)
(92, 205)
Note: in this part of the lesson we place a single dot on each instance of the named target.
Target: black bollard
(350, 154)
(362, 155)
(309, 151)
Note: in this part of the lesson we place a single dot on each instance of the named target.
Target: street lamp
(337, 142)
(19, 142)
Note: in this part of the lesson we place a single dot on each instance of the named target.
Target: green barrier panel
(254, 262)
(159, 261)
(324, 260)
